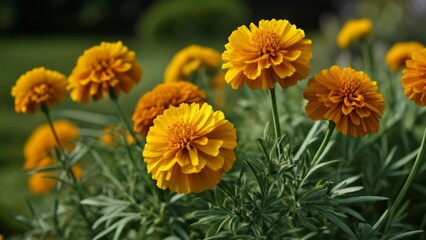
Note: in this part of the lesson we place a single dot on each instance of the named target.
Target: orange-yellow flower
(189, 147)
(414, 78)
(104, 68)
(189, 60)
(41, 143)
(38, 86)
(154, 102)
(276, 51)
(112, 135)
(400, 52)
(348, 98)
(353, 30)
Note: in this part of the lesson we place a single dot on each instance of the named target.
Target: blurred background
(53, 33)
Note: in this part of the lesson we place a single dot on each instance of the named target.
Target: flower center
(41, 93)
(181, 135)
(350, 82)
(103, 70)
(267, 42)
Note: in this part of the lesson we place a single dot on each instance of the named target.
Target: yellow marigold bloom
(112, 135)
(414, 78)
(101, 68)
(353, 30)
(400, 52)
(41, 142)
(276, 51)
(189, 60)
(189, 147)
(347, 97)
(38, 86)
(154, 102)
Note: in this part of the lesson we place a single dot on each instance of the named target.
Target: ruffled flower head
(154, 102)
(274, 51)
(353, 30)
(38, 86)
(189, 147)
(104, 68)
(348, 98)
(400, 52)
(189, 60)
(414, 78)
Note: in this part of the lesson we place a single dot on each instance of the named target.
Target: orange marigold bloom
(189, 60)
(400, 52)
(108, 66)
(38, 86)
(276, 51)
(41, 142)
(154, 102)
(414, 78)
(113, 134)
(347, 97)
(353, 30)
(189, 147)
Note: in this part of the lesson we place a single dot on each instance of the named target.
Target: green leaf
(406, 234)
(344, 191)
(360, 199)
(339, 223)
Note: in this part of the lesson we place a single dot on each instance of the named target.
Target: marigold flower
(112, 135)
(154, 102)
(353, 30)
(108, 66)
(189, 60)
(41, 142)
(276, 51)
(347, 97)
(400, 52)
(189, 147)
(414, 78)
(38, 86)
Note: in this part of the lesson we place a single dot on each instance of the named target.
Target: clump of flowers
(354, 30)
(189, 147)
(260, 56)
(400, 52)
(163, 96)
(414, 78)
(102, 69)
(190, 59)
(36, 87)
(347, 97)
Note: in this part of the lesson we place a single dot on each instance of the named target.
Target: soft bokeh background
(53, 33)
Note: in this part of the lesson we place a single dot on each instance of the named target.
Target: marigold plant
(347, 97)
(189, 147)
(104, 68)
(163, 96)
(354, 30)
(260, 56)
(414, 78)
(38, 86)
(400, 52)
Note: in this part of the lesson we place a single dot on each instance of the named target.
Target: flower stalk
(408, 181)
(276, 119)
(331, 126)
(123, 118)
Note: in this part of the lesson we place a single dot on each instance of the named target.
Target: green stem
(276, 120)
(120, 113)
(65, 165)
(331, 126)
(411, 175)
(367, 58)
